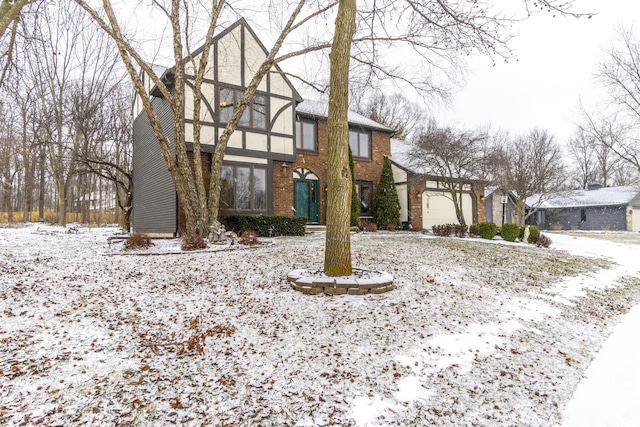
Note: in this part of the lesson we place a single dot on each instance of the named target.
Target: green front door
(307, 202)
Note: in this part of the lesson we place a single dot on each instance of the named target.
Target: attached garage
(438, 208)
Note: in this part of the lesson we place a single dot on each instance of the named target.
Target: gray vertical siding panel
(488, 208)
(154, 194)
(598, 218)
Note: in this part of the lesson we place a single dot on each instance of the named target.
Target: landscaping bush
(510, 232)
(386, 207)
(267, 225)
(193, 242)
(355, 200)
(543, 241)
(442, 230)
(248, 237)
(534, 232)
(474, 230)
(446, 230)
(138, 241)
(370, 227)
(460, 231)
(487, 230)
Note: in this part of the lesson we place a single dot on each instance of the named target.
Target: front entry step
(315, 228)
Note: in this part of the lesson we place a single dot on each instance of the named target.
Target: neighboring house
(275, 162)
(597, 208)
(500, 205)
(424, 201)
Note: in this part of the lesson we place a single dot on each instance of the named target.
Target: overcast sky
(556, 61)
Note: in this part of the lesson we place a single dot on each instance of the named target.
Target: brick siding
(364, 170)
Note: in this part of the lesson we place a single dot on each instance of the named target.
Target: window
(254, 116)
(365, 194)
(359, 141)
(583, 215)
(306, 135)
(244, 188)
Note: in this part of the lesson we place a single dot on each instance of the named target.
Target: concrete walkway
(610, 393)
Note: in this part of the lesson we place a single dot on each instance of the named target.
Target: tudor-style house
(275, 162)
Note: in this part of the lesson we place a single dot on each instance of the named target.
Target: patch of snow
(468, 337)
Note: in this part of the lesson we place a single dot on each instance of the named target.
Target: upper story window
(254, 116)
(306, 135)
(360, 143)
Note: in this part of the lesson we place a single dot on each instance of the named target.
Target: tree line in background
(65, 125)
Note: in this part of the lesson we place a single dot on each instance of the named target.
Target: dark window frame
(368, 210)
(232, 190)
(253, 117)
(300, 122)
(358, 132)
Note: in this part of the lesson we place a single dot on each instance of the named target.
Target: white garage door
(437, 208)
(635, 220)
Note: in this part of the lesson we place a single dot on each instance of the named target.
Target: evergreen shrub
(355, 200)
(510, 232)
(267, 225)
(386, 206)
(534, 232)
(487, 230)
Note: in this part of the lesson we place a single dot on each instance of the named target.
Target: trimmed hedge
(510, 232)
(267, 225)
(534, 232)
(446, 230)
(487, 230)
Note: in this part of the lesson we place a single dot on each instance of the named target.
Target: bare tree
(619, 71)
(10, 160)
(337, 258)
(106, 153)
(71, 70)
(530, 165)
(10, 12)
(612, 143)
(454, 156)
(406, 118)
(581, 152)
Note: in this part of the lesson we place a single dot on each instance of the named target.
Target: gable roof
(166, 73)
(606, 196)
(401, 157)
(320, 110)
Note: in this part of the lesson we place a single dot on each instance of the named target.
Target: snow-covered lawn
(477, 333)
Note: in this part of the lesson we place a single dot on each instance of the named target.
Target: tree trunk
(42, 182)
(62, 202)
(337, 257)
